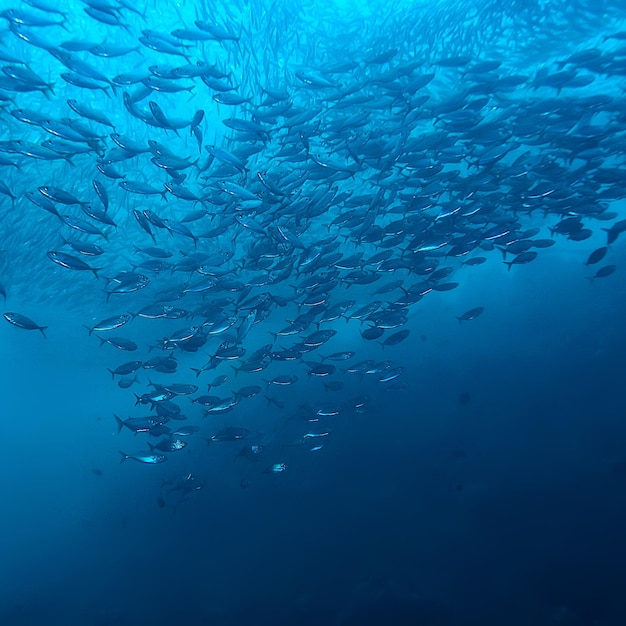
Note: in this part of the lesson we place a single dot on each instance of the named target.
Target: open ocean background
(474, 473)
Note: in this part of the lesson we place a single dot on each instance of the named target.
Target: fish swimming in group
(148, 458)
(284, 211)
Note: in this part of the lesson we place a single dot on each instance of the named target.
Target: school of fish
(269, 189)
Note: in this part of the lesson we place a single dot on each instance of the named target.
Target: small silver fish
(144, 457)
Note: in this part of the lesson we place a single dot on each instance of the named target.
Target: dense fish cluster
(249, 201)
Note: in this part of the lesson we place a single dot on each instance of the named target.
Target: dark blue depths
(313, 313)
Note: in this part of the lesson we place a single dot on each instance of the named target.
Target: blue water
(471, 474)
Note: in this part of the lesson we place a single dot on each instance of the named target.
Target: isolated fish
(603, 272)
(21, 321)
(472, 314)
(596, 256)
(276, 468)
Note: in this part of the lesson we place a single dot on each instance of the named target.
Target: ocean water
(338, 174)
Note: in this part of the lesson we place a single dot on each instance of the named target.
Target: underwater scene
(313, 312)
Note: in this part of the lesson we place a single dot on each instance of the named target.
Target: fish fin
(120, 423)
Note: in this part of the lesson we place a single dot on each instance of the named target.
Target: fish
(372, 333)
(248, 391)
(82, 226)
(110, 323)
(321, 369)
(186, 484)
(300, 221)
(522, 259)
(21, 321)
(603, 272)
(276, 468)
(59, 195)
(230, 433)
(127, 382)
(84, 248)
(167, 445)
(71, 262)
(283, 381)
(121, 343)
(390, 374)
(472, 314)
(149, 458)
(178, 389)
(126, 368)
(138, 424)
(596, 256)
(185, 431)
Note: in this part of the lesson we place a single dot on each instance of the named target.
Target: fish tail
(89, 329)
(509, 263)
(42, 329)
(120, 425)
(124, 456)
